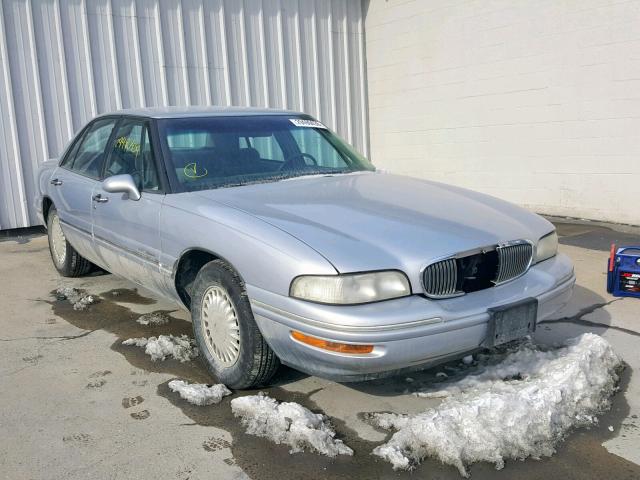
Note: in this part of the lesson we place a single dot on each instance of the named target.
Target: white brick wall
(536, 102)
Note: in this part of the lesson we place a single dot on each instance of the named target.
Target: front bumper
(407, 333)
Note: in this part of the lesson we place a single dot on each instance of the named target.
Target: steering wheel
(294, 161)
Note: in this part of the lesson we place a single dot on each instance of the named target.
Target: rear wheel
(66, 259)
(227, 335)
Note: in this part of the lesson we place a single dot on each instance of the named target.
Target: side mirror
(122, 184)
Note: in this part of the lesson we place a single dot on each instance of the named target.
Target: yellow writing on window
(128, 145)
(191, 171)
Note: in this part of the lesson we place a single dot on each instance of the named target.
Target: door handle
(56, 182)
(99, 198)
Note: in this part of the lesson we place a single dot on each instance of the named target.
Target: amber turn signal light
(331, 346)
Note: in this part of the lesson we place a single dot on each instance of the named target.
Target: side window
(267, 147)
(71, 153)
(131, 153)
(90, 153)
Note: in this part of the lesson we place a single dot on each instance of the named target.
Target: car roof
(186, 112)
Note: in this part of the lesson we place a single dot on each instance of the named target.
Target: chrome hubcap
(58, 241)
(219, 325)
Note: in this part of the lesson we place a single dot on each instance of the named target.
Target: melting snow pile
(518, 408)
(75, 297)
(198, 393)
(181, 348)
(288, 423)
(154, 318)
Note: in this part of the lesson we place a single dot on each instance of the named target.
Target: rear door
(74, 181)
(126, 231)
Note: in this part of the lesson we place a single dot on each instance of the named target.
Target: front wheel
(226, 333)
(66, 259)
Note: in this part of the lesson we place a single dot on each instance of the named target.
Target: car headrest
(248, 154)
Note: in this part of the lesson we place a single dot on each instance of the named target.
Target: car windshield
(213, 152)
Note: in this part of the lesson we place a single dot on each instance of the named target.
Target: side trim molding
(142, 255)
(77, 229)
(344, 328)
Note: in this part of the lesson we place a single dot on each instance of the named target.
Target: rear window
(189, 140)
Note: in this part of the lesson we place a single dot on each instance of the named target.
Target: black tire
(73, 265)
(255, 363)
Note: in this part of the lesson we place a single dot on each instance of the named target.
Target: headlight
(547, 247)
(351, 288)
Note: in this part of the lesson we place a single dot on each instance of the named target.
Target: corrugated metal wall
(64, 61)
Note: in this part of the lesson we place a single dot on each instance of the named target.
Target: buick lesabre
(287, 246)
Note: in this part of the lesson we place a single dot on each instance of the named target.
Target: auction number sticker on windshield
(299, 122)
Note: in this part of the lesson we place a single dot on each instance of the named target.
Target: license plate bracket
(511, 322)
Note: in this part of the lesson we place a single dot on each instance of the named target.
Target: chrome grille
(440, 278)
(477, 269)
(513, 261)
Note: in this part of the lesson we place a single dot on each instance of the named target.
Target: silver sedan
(287, 246)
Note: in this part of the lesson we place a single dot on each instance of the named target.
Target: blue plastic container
(623, 275)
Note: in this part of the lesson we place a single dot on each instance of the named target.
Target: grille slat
(504, 272)
(454, 278)
(513, 261)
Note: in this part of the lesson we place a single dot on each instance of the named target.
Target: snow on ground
(181, 348)
(519, 407)
(153, 318)
(199, 393)
(75, 297)
(288, 423)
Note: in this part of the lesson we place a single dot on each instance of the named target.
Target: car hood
(375, 221)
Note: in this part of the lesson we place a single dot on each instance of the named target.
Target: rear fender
(45, 173)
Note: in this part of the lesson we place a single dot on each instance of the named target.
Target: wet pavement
(76, 403)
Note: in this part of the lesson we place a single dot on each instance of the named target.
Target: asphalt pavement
(76, 404)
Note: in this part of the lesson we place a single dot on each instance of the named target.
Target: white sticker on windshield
(299, 122)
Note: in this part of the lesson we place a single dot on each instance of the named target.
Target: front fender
(263, 255)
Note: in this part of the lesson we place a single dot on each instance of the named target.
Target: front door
(126, 234)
